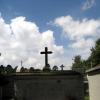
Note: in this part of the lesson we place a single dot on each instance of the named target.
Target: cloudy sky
(67, 27)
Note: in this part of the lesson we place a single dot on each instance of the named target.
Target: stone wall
(94, 83)
(94, 87)
(0, 93)
(49, 86)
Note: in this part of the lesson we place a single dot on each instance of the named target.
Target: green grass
(86, 97)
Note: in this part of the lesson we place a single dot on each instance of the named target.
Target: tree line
(9, 69)
(92, 61)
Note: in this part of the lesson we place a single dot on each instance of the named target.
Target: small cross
(46, 52)
(62, 66)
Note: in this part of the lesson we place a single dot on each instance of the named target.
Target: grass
(86, 97)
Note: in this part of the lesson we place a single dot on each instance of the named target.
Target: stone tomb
(59, 85)
(93, 76)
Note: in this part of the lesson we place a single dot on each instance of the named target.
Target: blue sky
(72, 25)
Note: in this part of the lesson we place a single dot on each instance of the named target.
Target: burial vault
(44, 85)
(61, 85)
(93, 76)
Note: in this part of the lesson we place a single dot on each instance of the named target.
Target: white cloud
(81, 33)
(25, 44)
(88, 4)
(22, 40)
(83, 44)
(76, 29)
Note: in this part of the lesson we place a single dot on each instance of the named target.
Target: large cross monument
(46, 52)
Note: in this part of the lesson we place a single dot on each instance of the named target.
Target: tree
(22, 70)
(77, 62)
(93, 59)
(26, 70)
(2, 69)
(9, 69)
(37, 70)
(95, 54)
(15, 69)
(55, 68)
(31, 70)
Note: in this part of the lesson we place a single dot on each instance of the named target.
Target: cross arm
(49, 52)
(42, 52)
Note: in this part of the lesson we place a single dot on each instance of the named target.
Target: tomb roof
(51, 73)
(94, 70)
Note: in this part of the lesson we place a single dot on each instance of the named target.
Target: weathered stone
(49, 86)
(60, 85)
(94, 82)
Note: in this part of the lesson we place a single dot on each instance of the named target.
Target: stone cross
(46, 52)
(62, 66)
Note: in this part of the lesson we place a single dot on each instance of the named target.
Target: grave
(93, 76)
(44, 85)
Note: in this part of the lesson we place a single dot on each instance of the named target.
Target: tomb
(93, 76)
(45, 84)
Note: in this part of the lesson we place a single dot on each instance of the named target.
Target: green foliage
(55, 68)
(31, 70)
(95, 54)
(9, 69)
(22, 70)
(2, 69)
(93, 59)
(37, 70)
(15, 69)
(86, 97)
(77, 62)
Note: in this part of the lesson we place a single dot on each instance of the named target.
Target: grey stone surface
(49, 86)
(94, 87)
(58, 85)
(94, 83)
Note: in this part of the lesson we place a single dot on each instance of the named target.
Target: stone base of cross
(46, 68)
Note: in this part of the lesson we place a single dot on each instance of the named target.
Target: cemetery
(49, 50)
(44, 85)
(49, 84)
